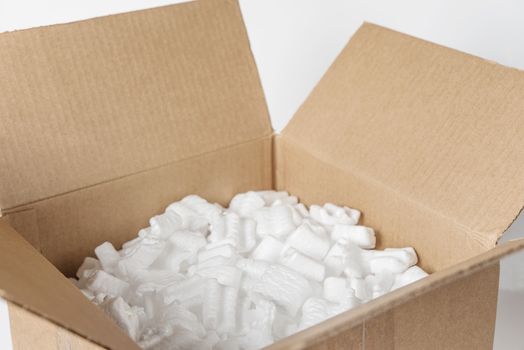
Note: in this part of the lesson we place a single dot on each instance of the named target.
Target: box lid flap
(87, 102)
(437, 126)
(29, 280)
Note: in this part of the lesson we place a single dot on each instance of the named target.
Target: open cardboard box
(106, 121)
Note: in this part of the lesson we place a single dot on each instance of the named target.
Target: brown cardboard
(106, 121)
(437, 127)
(115, 96)
(27, 329)
(29, 280)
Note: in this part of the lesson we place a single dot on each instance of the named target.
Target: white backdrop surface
(295, 41)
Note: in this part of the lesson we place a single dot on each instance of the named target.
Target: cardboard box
(106, 121)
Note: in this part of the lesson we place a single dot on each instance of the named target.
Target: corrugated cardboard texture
(451, 309)
(26, 223)
(397, 220)
(70, 226)
(348, 340)
(88, 102)
(29, 280)
(30, 332)
(457, 316)
(438, 127)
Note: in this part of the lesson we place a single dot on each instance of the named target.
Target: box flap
(355, 317)
(91, 101)
(29, 280)
(439, 127)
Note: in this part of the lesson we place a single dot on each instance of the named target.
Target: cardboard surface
(28, 330)
(438, 127)
(70, 226)
(29, 280)
(457, 316)
(88, 102)
(349, 340)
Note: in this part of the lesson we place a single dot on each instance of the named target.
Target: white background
(5, 329)
(295, 41)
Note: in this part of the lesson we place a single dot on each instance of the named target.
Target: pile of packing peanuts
(205, 277)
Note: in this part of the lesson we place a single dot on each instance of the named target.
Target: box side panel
(30, 331)
(29, 280)
(349, 340)
(458, 316)
(379, 332)
(435, 125)
(88, 102)
(397, 220)
(72, 225)
(25, 223)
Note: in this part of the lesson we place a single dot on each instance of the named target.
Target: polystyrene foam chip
(205, 277)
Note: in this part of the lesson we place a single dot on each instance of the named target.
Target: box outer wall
(249, 165)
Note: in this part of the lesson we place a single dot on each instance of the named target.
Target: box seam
(275, 160)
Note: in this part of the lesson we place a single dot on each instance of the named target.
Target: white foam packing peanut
(276, 220)
(283, 286)
(316, 310)
(362, 236)
(338, 290)
(123, 315)
(310, 240)
(205, 277)
(303, 264)
(102, 282)
(268, 250)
